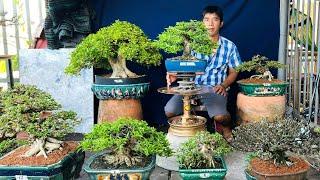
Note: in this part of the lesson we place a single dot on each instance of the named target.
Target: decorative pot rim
(187, 60)
(103, 80)
(88, 169)
(120, 85)
(283, 83)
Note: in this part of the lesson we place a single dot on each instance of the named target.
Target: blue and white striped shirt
(226, 56)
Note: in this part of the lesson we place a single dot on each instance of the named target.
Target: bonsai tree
(199, 151)
(186, 36)
(26, 108)
(111, 46)
(273, 140)
(261, 65)
(129, 141)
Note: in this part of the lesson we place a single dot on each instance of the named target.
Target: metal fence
(303, 60)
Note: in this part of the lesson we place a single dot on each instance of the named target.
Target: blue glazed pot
(142, 173)
(176, 65)
(67, 168)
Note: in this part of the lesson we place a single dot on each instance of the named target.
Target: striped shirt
(226, 56)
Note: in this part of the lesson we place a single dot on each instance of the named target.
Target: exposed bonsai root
(123, 159)
(207, 154)
(266, 75)
(40, 146)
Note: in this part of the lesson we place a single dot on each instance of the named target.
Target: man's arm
(222, 88)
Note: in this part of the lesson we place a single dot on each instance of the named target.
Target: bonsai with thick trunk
(129, 141)
(185, 37)
(111, 47)
(28, 109)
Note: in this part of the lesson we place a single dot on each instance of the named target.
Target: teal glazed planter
(118, 174)
(185, 66)
(248, 175)
(194, 174)
(67, 168)
(265, 89)
(120, 88)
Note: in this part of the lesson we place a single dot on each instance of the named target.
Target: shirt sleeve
(234, 58)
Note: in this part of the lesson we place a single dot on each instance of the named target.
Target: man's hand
(219, 89)
(171, 77)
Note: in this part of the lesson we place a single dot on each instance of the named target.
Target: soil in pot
(260, 81)
(100, 163)
(218, 165)
(267, 167)
(16, 158)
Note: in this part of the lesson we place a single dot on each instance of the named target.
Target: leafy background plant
(199, 151)
(129, 141)
(111, 46)
(186, 36)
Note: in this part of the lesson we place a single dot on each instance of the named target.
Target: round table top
(202, 90)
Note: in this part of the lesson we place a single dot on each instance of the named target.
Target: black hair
(213, 9)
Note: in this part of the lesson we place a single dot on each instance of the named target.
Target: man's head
(212, 19)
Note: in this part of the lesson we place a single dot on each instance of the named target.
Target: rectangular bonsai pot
(138, 173)
(193, 174)
(67, 168)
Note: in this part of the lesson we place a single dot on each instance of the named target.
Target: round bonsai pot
(263, 89)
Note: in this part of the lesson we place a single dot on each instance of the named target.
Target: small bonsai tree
(129, 140)
(186, 36)
(273, 140)
(199, 151)
(261, 65)
(26, 108)
(111, 46)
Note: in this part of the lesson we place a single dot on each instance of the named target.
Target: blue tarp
(252, 25)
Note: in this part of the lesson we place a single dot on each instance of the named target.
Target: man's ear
(221, 24)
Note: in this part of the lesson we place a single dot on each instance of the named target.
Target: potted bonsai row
(127, 149)
(34, 112)
(277, 146)
(201, 157)
(110, 49)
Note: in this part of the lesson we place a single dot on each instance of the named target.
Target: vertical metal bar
(291, 56)
(283, 36)
(296, 63)
(318, 69)
(306, 58)
(28, 20)
(16, 26)
(4, 31)
(9, 73)
(312, 62)
(300, 53)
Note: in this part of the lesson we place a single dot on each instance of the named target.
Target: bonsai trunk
(43, 147)
(119, 68)
(123, 157)
(187, 48)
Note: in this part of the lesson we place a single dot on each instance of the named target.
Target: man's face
(212, 23)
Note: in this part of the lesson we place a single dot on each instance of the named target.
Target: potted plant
(276, 145)
(30, 110)
(110, 48)
(261, 95)
(186, 37)
(201, 157)
(128, 149)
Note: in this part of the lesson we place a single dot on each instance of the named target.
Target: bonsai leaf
(111, 46)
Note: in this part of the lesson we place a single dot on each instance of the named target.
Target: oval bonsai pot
(218, 173)
(264, 89)
(120, 88)
(179, 65)
(67, 168)
(142, 173)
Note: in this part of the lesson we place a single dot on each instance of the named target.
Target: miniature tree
(186, 36)
(272, 140)
(111, 46)
(199, 151)
(26, 108)
(261, 65)
(129, 141)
